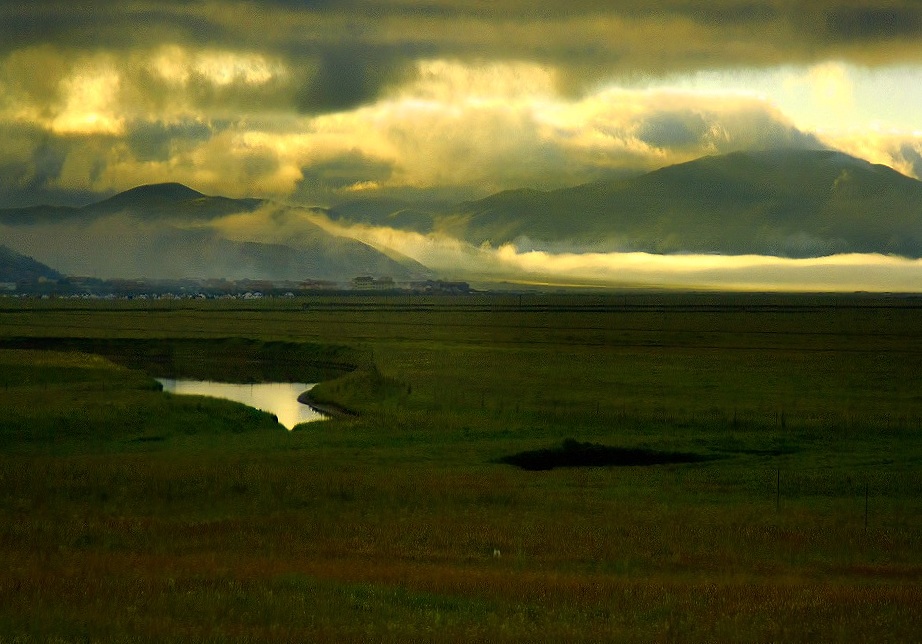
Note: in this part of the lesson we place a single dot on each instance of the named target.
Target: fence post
(865, 506)
(778, 491)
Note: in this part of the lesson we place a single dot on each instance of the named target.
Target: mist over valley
(781, 219)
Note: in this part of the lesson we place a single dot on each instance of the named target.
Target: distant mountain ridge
(151, 201)
(794, 203)
(172, 231)
(164, 200)
(170, 192)
(781, 202)
(789, 203)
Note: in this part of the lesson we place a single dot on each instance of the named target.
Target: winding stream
(279, 398)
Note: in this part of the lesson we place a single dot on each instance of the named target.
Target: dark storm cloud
(153, 141)
(108, 25)
(874, 23)
(335, 60)
(731, 14)
(31, 161)
(340, 78)
(328, 178)
(114, 22)
(345, 53)
(215, 92)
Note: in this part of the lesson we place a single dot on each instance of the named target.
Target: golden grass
(129, 514)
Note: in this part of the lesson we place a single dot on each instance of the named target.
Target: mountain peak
(151, 194)
(785, 202)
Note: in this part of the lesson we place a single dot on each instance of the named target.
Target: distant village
(23, 277)
(246, 289)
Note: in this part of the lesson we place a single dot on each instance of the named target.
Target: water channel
(279, 398)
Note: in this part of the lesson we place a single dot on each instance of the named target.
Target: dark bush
(572, 453)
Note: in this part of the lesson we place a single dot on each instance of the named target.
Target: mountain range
(169, 231)
(787, 203)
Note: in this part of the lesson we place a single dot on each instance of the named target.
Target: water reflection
(279, 398)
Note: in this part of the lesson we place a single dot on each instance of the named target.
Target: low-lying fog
(124, 246)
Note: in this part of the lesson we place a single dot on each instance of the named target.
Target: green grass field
(130, 514)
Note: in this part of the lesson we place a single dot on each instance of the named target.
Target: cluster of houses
(143, 289)
(370, 283)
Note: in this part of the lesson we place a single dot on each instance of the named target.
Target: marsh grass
(127, 513)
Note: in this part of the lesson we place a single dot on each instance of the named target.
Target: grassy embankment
(128, 512)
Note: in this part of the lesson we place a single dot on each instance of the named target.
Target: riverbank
(126, 514)
(327, 409)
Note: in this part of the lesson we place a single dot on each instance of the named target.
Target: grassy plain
(127, 513)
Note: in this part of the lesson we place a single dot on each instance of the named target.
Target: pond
(279, 398)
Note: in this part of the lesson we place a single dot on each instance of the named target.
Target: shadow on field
(231, 359)
(572, 453)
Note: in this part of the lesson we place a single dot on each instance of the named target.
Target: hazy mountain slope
(37, 214)
(171, 231)
(170, 201)
(393, 213)
(156, 201)
(793, 203)
(19, 268)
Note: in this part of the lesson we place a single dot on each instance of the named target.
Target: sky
(315, 102)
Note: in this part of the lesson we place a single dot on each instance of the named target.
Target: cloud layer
(344, 52)
(327, 101)
(451, 128)
(454, 258)
(324, 101)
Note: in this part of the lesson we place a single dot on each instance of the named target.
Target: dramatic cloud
(899, 150)
(450, 97)
(346, 53)
(449, 256)
(471, 129)
(327, 101)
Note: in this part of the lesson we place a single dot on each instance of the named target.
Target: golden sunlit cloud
(447, 82)
(471, 127)
(317, 104)
(901, 151)
(178, 65)
(458, 125)
(90, 104)
(825, 93)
